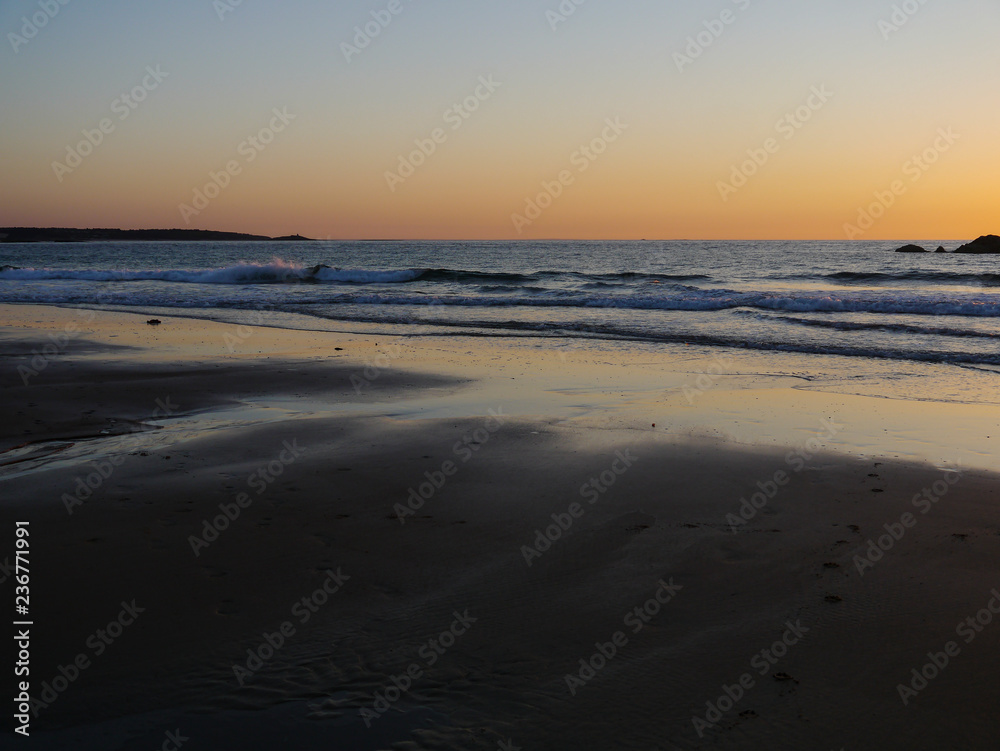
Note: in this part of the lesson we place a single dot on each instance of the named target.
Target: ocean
(856, 301)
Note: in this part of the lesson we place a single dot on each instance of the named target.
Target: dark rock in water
(154, 321)
(288, 238)
(310, 276)
(984, 244)
(7, 267)
(940, 249)
(911, 249)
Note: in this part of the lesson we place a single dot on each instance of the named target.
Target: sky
(522, 119)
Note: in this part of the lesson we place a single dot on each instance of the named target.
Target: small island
(73, 235)
(982, 245)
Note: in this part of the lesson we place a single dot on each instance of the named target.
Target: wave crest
(276, 272)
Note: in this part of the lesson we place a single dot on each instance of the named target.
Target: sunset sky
(542, 86)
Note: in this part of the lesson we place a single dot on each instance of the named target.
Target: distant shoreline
(70, 235)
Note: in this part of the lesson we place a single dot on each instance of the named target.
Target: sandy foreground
(247, 538)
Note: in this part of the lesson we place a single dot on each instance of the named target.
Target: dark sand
(502, 683)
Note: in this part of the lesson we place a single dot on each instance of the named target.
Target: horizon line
(489, 239)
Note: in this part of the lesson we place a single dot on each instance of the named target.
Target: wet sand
(331, 550)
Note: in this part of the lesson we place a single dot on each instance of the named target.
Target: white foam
(365, 276)
(275, 272)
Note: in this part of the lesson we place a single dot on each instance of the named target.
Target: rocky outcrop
(911, 249)
(984, 244)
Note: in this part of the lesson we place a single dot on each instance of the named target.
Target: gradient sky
(324, 174)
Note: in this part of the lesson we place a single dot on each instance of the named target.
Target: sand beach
(413, 542)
